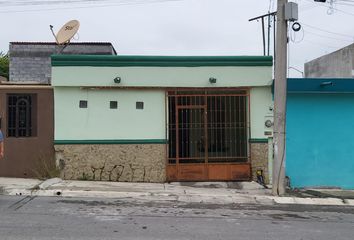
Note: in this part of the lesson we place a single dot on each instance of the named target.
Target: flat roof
(54, 43)
(320, 85)
(159, 61)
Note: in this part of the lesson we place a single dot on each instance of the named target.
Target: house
(30, 61)
(26, 106)
(162, 118)
(338, 64)
(320, 126)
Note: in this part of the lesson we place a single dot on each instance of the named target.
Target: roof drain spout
(329, 83)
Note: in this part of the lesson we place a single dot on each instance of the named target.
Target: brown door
(208, 136)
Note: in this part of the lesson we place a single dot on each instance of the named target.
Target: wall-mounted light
(117, 80)
(329, 83)
(212, 80)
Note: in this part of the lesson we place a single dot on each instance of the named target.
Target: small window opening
(83, 104)
(139, 105)
(113, 104)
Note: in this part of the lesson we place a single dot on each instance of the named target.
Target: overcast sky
(180, 27)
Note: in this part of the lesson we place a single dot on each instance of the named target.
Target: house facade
(157, 119)
(30, 61)
(320, 126)
(27, 107)
(338, 64)
(26, 120)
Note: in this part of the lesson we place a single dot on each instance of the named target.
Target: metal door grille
(20, 115)
(208, 127)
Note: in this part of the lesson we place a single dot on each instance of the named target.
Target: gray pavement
(35, 217)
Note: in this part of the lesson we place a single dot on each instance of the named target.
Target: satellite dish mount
(66, 33)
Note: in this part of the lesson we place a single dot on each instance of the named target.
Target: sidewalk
(201, 192)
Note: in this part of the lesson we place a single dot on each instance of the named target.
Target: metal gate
(208, 135)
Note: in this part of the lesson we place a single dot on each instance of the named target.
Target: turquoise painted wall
(99, 122)
(320, 140)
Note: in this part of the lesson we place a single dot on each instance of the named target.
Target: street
(26, 217)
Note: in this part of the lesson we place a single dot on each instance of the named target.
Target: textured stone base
(113, 162)
(259, 160)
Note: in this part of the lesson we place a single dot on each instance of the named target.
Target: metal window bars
(19, 115)
(208, 126)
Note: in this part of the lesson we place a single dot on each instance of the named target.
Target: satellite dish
(67, 31)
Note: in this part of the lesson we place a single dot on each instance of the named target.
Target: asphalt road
(74, 218)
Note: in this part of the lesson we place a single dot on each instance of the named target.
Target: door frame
(213, 171)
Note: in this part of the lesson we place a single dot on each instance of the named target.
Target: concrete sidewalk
(201, 192)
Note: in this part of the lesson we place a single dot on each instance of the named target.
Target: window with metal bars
(21, 115)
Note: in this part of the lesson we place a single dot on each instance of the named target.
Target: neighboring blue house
(320, 132)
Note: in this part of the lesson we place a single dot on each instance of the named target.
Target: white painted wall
(261, 100)
(162, 76)
(99, 122)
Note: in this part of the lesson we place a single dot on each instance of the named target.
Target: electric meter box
(291, 12)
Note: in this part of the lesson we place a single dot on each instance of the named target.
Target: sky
(181, 27)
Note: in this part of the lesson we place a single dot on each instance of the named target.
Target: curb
(186, 198)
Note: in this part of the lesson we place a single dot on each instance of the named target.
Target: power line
(61, 2)
(323, 36)
(141, 2)
(345, 4)
(50, 2)
(320, 44)
(324, 30)
(331, 8)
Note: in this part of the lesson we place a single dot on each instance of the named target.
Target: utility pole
(278, 179)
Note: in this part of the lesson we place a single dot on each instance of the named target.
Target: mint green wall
(260, 101)
(126, 122)
(150, 123)
(99, 122)
(232, 76)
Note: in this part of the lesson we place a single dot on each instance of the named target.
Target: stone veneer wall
(259, 160)
(113, 162)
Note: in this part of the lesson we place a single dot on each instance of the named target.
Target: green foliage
(4, 65)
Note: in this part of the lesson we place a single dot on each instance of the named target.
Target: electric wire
(324, 30)
(54, 2)
(328, 37)
(293, 36)
(320, 44)
(331, 7)
(345, 4)
(92, 6)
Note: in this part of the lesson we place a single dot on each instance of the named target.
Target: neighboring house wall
(339, 64)
(30, 62)
(28, 156)
(320, 140)
(137, 138)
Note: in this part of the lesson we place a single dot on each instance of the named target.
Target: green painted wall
(260, 101)
(99, 122)
(129, 123)
(231, 76)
